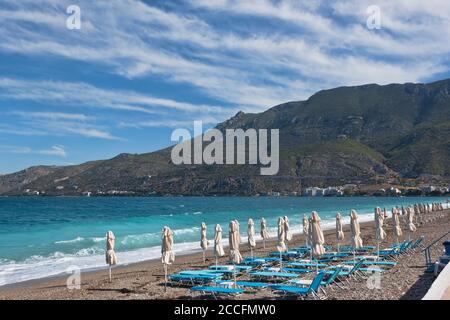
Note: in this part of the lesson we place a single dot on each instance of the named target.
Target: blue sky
(138, 69)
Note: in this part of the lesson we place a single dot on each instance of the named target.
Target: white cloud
(54, 151)
(86, 95)
(52, 115)
(57, 151)
(56, 123)
(310, 50)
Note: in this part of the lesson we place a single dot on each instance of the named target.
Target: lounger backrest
(418, 242)
(356, 266)
(333, 276)
(316, 282)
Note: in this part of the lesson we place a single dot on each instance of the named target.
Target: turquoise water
(44, 236)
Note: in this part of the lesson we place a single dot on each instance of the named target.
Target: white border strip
(439, 285)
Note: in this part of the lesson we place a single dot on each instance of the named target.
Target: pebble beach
(145, 280)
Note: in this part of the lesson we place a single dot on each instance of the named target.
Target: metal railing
(427, 250)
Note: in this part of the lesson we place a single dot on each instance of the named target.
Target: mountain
(368, 135)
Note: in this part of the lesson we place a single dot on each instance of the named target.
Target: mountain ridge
(367, 135)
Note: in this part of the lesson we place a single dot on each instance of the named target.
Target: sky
(136, 70)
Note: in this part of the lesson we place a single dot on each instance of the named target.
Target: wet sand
(145, 280)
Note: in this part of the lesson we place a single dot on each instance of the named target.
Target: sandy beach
(145, 280)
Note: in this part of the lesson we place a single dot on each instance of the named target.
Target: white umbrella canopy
(287, 231)
(281, 245)
(317, 238)
(238, 232)
(218, 248)
(339, 230)
(355, 230)
(380, 234)
(111, 258)
(251, 235)
(264, 233)
(203, 240)
(396, 222)
(410, 216)
(233, 240)
(306, 228)
(167, 254)
(385, 215)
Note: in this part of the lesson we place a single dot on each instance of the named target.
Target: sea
(48, 236)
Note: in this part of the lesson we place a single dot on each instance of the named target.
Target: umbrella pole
(264, 243)
(216, 260)
(354, 256)
(281, 261)
(109, 273)
(378, 250)
(338, 247)
(251, 252)
(204, 259)
(165, 277)
(234, 275)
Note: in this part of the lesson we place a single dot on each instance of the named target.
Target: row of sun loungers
(333, 269)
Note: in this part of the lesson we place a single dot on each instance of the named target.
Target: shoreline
(144, 280)
(192, 248)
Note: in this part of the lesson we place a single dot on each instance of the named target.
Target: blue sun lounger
(345, 273)
(326, 281)
(258, 261)
(204, 272)
(231, 267)
(216, 291)
(306, 264)
(245, 284)
(373, 263)
(273, 274)
(297, 270)
(288, 254)
(194, 278)
(313, 289)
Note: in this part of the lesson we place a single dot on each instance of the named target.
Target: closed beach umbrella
(396, 222)
(218, 248)
(264, 233)
(306, 229)
(411, 226)
(167, 254)
(233, 240)
(238, 232)
(111, 258)
(287, 231)
(317, 238)
(417, 214)
(281, 246)
(339, 230)
(355, 233)
(251, 235)
(380, 234)
(355, 230)
(203, 241)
